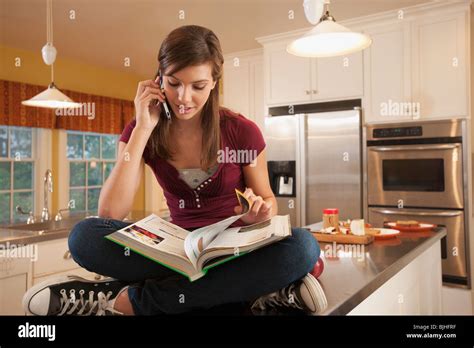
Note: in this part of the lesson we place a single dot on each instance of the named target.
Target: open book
(194, 253)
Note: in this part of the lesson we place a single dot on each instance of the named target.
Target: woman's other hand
(260, 210)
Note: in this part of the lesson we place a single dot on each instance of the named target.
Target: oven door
(415, 176)
(453, 247)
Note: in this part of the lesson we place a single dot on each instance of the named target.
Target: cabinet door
(288, 77)
(257, 106)
(237, 86)
(53, 257)
(11, 294)
(15, 275)
(387, 74)
(337, 77)
(439, 63)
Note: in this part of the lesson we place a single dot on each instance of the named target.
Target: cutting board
(342, 238)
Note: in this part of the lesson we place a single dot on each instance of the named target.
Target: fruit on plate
(372, 231)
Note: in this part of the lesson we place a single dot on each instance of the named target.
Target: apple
(318, 268)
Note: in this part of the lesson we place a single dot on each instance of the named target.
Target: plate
(423, 227)
(386, 233)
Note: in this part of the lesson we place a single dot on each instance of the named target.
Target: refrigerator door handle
(416, 213)
(301, 163)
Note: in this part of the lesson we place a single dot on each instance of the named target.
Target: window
(17, 168)
(91, 159)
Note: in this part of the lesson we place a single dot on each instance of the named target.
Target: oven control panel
(397, 132)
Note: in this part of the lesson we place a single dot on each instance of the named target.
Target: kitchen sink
(23, 233)
(66, 223)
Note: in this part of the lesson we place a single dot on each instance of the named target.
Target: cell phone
(165, 104)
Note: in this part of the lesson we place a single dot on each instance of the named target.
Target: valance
(98, 113)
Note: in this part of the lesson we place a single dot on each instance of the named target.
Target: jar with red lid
(331, 218)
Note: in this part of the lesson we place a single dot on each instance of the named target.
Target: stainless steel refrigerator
(326, 149)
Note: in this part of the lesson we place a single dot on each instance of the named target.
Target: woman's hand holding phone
(147, 112)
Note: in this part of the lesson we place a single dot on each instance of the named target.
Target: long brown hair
(185, 46)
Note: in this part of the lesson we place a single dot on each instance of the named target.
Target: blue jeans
(155, 289)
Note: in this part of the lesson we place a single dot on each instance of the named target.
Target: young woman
(199, 190)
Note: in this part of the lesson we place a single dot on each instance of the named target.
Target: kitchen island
(394, 276)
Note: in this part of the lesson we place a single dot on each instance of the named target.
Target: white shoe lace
(99, 307)
(285, 297)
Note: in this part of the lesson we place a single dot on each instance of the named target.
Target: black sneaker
(304, 295)
(73, 295)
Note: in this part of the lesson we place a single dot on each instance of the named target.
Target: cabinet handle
(67, 255)
(315, 91)
(308, 92)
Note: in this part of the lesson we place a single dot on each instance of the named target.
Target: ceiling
(105, 32)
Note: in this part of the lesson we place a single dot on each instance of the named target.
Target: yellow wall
(72, 75)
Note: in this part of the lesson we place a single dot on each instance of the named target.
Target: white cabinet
(15, 278)
(440, 82)
(292, 80)
(18, 274)
(11, 294)
(456, 301)
(338, 77)
(415, 290)
(243, 84)
(387, 74)
(55, 259)
(287, 77)
(416, 69)
(237, 86)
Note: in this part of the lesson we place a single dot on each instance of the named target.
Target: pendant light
(327, 38)
(51, 97)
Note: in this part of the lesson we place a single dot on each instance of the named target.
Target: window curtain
(98, 114)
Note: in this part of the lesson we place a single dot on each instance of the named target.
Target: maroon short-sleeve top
(214, 199)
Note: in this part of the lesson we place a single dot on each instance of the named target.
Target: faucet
(31, 218)
(59, 215)
(48, 187)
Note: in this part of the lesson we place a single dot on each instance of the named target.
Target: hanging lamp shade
(51, 98)
(328, 39)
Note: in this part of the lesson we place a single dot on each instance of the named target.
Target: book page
(199, 239)
(158, 225)
(234, 237)
(158, 234)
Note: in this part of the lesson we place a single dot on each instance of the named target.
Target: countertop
(348, 279)
(355, 274)
(23, 234)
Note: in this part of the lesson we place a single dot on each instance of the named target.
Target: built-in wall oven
(417, 171)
